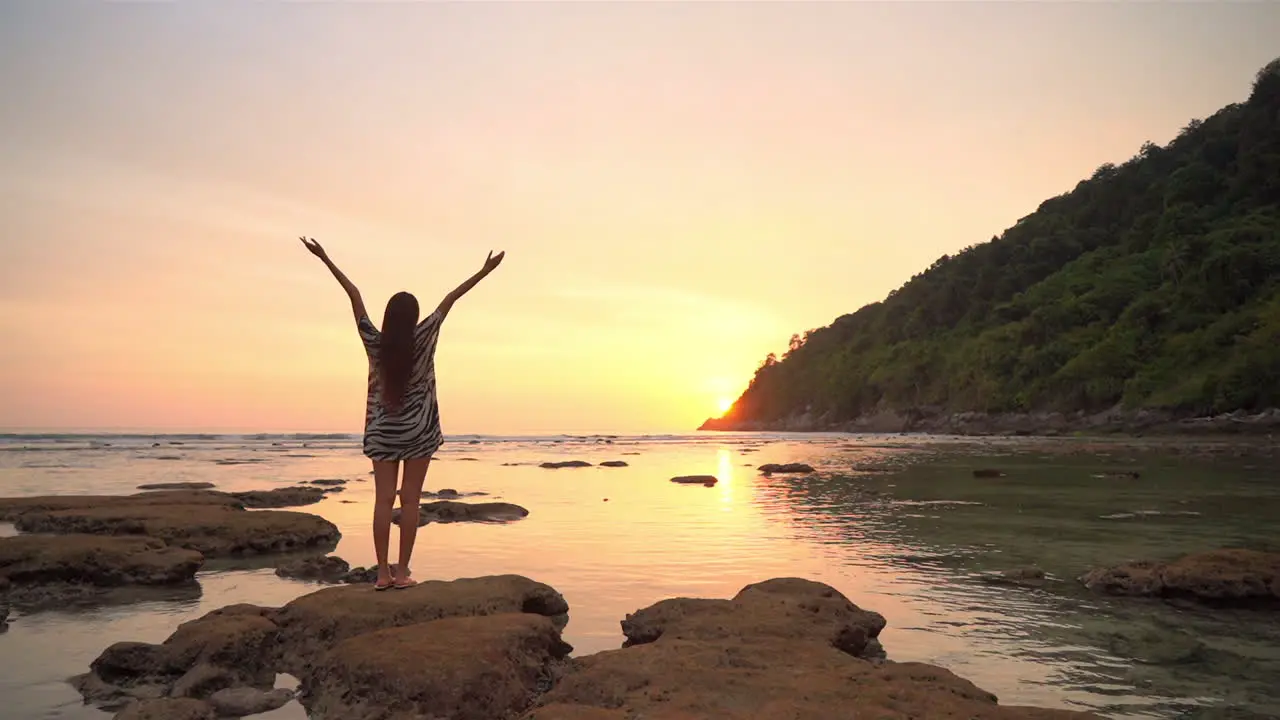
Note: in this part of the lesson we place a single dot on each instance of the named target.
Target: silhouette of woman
(402, 419)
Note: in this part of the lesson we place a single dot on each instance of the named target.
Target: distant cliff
(1147, 295)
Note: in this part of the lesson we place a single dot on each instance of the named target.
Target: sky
(678, 187)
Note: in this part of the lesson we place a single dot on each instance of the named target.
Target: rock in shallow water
(212, 523)
(94, 560)
(280, 497)
(785, 648)
(707, 480)
(771, 468)
(230, 647)
(449, 511)
(1229, 577)
(565, 464)
(323, 568)
(177, 486)
(484, 648)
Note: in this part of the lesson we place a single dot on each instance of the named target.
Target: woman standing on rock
(402, 419)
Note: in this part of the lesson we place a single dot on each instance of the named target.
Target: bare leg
(415, 471)
(384, 479)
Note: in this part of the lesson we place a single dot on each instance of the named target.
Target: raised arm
(490, 263)
(353, 293)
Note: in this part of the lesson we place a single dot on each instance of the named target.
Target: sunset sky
(679, 187)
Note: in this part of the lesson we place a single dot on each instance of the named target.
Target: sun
(724, 404)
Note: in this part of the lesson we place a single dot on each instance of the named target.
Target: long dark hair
(395, 355)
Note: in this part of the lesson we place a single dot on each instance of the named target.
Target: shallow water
(913, 543)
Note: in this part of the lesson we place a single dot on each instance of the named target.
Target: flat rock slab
(177, 486)
(450, 493)
(784, 648)
(462, 668)
(13, 508)
(614, 463)
(731, 681)
(449, 511)
(280, 497)
(707, 480)
(95, 560)
(1228, 578)
(565, 464)
(212, 523)
(322, 568)
(314, 622)
(772, 468)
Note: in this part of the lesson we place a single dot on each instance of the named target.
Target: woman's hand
(491, 262)
(314, 247)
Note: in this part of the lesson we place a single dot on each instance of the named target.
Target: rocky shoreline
(86, 547)
(489, 648)
(938, 422)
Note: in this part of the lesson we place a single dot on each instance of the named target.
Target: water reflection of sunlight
(724, 474)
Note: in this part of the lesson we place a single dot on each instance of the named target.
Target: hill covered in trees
(1152, 289)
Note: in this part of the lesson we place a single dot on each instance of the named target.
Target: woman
(402, 420)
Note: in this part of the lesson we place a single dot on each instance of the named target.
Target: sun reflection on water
(724, 476)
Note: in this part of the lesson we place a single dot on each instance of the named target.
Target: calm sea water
(898, 524)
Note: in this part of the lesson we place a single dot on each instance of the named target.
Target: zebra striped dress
(414, 432)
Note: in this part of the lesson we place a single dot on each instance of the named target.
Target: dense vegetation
(1153, 284)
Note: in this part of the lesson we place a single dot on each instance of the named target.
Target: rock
(483, 648)
(13, 508)
(462, 668)
(93, 560)
(448, 511)
(329, 482)
(177, 486)
(1228, 577)
(1166, 646)
(212, 523)
(229, 647)
(785, 648)
(4, 616)
(361, 575)
(167, 709)
(707, 480)
(1031, 577)
(242, 701)
(771, 468)
(280, 497)
(203, 680)
(783, 607)
(450, 493)
(324, 568)
(312, 623)
(565, 464)
(987, 473)
(614, 463)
